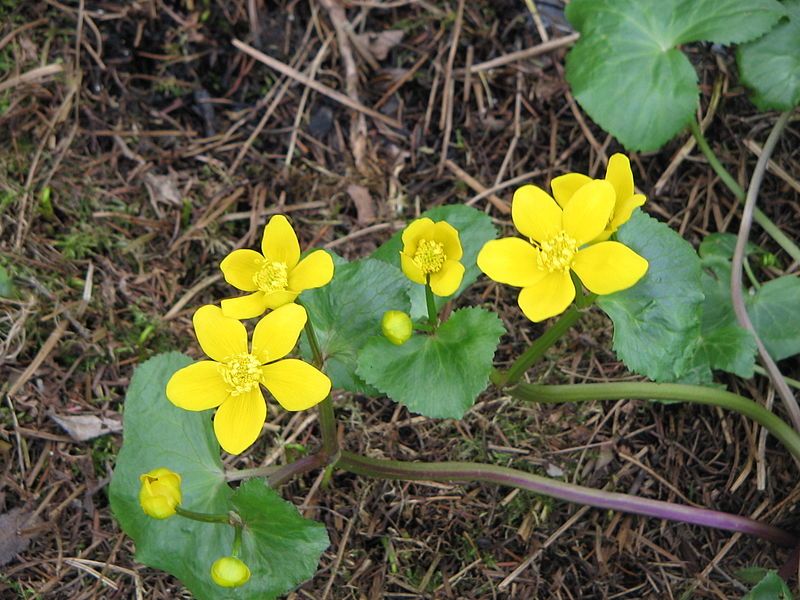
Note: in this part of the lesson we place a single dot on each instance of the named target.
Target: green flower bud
(229, 571)
(396, 326)
(160, 493)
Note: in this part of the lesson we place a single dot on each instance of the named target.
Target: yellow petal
(619, 175)
(608, 267)
(511, 261)
(276, 334)
(624, 209)
(447, 280)
(279, 242)
(447, 235)
(220, 337)
(535, 214)
(565, 186)
(416, 230)
(197, 387)
(589, 210)
(411, 270)
(239, 268)
(549, 297)
(277, 299)
(244, 307)
(239, 421)
(314, 271)
(295, 384)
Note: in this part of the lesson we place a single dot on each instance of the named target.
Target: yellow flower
(229, 571)
(557, 245)
(620, 176)
(276, 276)
(232, 379)
(160, 493)
(430, 254)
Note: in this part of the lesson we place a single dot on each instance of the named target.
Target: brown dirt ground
(163, 147)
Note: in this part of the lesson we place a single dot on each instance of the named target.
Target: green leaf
(438, 375)
(158, 434)
(626, 70)
(770, 307)
(771, 64)
(280, 547)
(474, 230)
(657, 321)
(348, 311)
(774, 310)
(726, 345)
(771, 587)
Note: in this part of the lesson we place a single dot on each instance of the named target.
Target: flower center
(242, 373)
(556, 254)
(273, 276)
(429, 256)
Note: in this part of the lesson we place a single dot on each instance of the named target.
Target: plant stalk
(204, 517)
(758, 216)
(537, 349)
(327, 418)
(465, 471)
(433, 315)
(663, 391)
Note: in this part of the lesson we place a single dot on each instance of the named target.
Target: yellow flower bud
(396, 326)
(160, 493)
(229, 571)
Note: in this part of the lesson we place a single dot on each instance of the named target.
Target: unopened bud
(396, 326)
(229, 571)
(160, 493)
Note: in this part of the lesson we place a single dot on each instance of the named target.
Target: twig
(476, 185)
(301, 109)
(315, 85)
(772, 166)
(781, 387)
(358, 125)
(448, 89)
(522, 54)
(690, 143)
(33, 75)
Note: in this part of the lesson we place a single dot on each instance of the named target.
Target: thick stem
(537, 349)
(279, 475)
(758, 216)
(663, 391)
(465, 471)
(433, 315)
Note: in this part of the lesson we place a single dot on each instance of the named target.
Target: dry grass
(140, 147)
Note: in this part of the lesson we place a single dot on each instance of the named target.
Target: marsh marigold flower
(431, 254)
(620, 176)
(229, 571)
(276, 275)
(557, 244)
(232, 379)
(160, 493)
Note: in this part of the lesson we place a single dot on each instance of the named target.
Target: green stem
(758, 216)
(237, 541)
(663, 391)
(537, 349)
(204, 517)
(433, 315)
(327, 418)
(466, 471)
